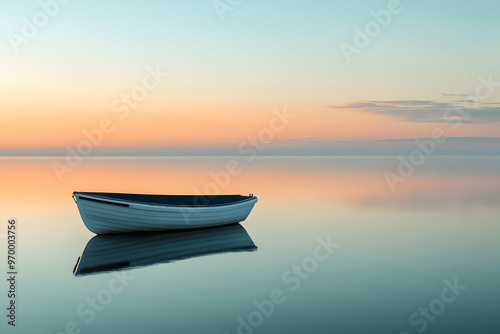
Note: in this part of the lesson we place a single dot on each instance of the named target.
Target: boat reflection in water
(109, 252)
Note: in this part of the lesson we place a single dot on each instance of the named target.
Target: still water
(329, 248)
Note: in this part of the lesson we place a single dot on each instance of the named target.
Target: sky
(205, 77)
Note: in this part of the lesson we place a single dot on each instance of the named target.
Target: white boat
(125, 251)
(118, 212)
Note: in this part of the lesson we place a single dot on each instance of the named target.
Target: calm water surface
(337, 250)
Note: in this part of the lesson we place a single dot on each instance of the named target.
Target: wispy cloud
(305, 138)
(420, 111)
(448, 94)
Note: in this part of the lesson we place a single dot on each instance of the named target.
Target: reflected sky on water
(395, 252)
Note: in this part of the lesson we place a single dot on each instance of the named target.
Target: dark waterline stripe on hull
(101, 201)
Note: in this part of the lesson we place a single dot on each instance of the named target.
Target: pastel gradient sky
(227, 76)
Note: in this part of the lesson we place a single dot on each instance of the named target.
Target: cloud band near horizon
(427, 111)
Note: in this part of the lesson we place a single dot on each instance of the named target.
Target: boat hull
(114, 216)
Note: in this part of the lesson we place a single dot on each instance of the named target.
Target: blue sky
(263, 55)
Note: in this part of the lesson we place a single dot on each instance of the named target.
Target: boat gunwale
(112, 201)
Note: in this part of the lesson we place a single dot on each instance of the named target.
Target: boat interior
(176, 200)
